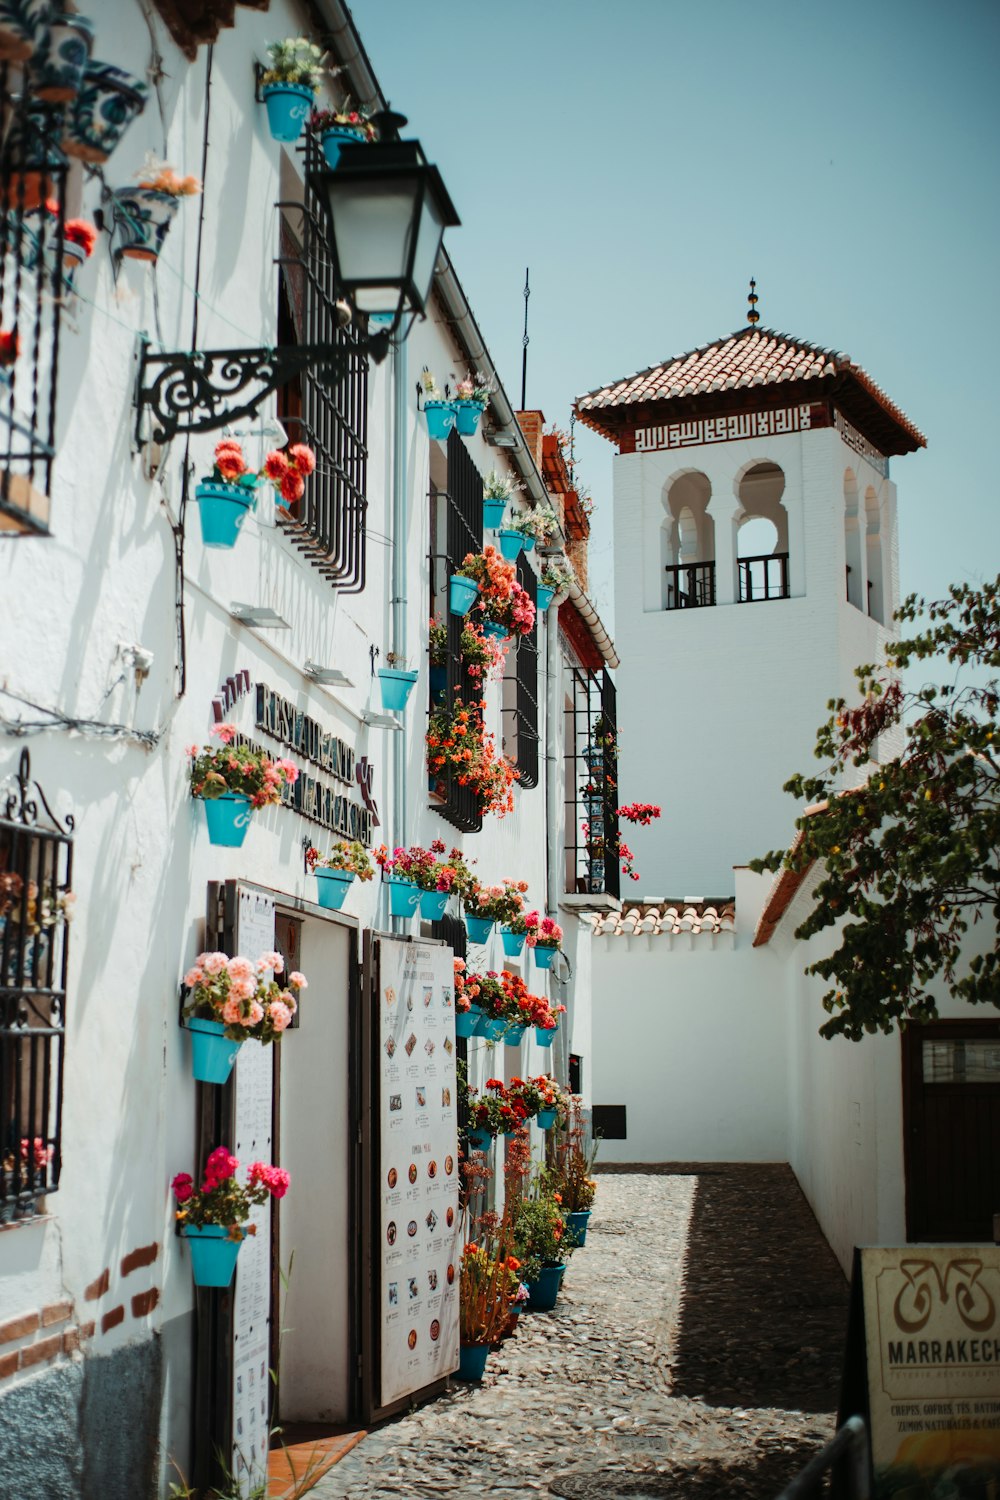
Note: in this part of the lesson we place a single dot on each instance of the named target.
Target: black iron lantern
(388, 210)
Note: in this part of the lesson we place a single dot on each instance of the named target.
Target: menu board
(252, 1114)
(419, 1230)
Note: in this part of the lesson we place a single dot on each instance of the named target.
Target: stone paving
(695, 1352)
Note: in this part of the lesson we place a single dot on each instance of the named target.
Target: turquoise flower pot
(462, 594)
(545, 1035)
(472, 1361)
(332, 887)
(222, 509)
(511, 543)
(513, 943)
(288, 106)
(578, 1222)
(542, 1293)
(336, 138)
(467, 1020)
(440, 419)
(433, 905)
(490, 1029)
(493, 512)
(545, 1119)
(228, 818)
(544, 956)
(467, 414)
(396, 688)
(478, 928)
(213, 1254)
(404, 897)
(528, 543)
(512, 1036)
(212, 1052)
(497, 631)
(543, 598)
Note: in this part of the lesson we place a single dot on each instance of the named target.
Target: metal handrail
(849, 1442)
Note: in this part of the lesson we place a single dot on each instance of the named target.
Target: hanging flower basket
(228, 818)
(478, 928)
(543, 597)
(108, 101)
(288, 106)
(434, 904)
(490, 1028)
(512, 1036)
(493, 510)
(513, 942)
(336, 137)
(480, 1140)
(213, 1253)
(404, 896)
(511, 543)
(332, 887)
(396, 688)
(544, 956)
(213, 1053)
(494, 629)
(440, 419)
(467, 414)
(222, 509)
(467, 1020)
(58, 66)
(545, 1035)
(142, 218)
(462, 594)
(545, 1119)
(22, 28)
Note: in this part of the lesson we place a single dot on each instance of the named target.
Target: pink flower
(194, 976)
(272, 961)
(225, 732)
(290, 769)
(288, 999)
(299, 980)
(213, 963)
(232, 1012)
(303, 457)
(221, 1165)
(183, 1187)
(240, 968)
(275, 1179)
(256, 1013)
(280, 1015)
(243, 988)
(194, 751)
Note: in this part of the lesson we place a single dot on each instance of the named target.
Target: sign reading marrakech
(932, 1332)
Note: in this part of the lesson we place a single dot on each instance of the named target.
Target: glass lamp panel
(429, 235)
(371, 228)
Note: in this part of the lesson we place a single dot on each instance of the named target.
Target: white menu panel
(418, 1165)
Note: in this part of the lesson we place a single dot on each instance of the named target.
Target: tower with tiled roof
(756, 564)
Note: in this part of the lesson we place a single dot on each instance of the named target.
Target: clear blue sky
(645, 158)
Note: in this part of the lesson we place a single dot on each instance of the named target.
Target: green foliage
(910, 858)
(539, 1231)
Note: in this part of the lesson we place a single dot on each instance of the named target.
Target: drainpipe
(398, 589)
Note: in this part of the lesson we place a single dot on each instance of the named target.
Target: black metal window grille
(763, 577)
(36, 870)
(690, 585)
(456, 530)
(520, 690)
(591, 780)
(328, 524)
(33, 171)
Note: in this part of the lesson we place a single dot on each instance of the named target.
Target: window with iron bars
(520, 691)
(33, 286)
(456, 529)
(36, 870)
(328, 524)
(591, 779)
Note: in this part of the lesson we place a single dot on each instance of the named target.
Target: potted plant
(79, 239)
(502, 903)
(232, 780)
(467, 1010)
(527, 528)
(555, 579)
(572, 1173)
(22, 28)
(544, 938)
(143, 214)
(232, 1001)
(440, 414)
(545, 1019)
(337, 128)
(497, 490)
(471, 396)
(336, 870)
(230, 491)
(553, 1105)
(395, 683)
(459, 745)
(211, 1217)
(57, 67)
(503, 606)
(435, 872)
(488, 1286)
(29, 157)
(541, 1245)
(108, 100)
(289, 85)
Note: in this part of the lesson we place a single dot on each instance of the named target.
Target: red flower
(292, 487)
(275, 466)
(10, 348)
(80, 232)
(302, 457)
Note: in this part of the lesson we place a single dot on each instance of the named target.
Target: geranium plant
(466, 987)
(232, 767)
(222, 1199)
(432, 869)
(346, 119)
(539, 1234)
(244, 996)
(458, 743)
(294, 60)
(352, 857)
(640, 812)
(159, 177)
(502, 903)
(543, 932)
(81, 232)
(287, 470)
(599, 847)
(477, 387)
(501, 598)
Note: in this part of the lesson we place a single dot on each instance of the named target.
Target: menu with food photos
(418, 1166)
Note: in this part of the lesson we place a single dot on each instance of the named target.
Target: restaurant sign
(313, 796)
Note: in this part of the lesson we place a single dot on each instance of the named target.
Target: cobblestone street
(695, 1352)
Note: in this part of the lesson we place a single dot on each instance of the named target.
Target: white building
(756, 564)
(124, 639)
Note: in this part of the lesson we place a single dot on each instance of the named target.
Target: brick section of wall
(56, 1312)
(531, 424)
(19, 1328)
(99, 1287)
(144, 1302)
(87, 1331)
(576, 551)
(143, 1256)
(8, 1364)
(71, 1341)
(112, 1319)
(34, 1354)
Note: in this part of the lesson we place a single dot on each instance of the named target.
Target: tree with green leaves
(910, 857)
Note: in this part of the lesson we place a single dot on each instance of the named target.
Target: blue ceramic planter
(480, 1140)
(213, 1053)
(472, 1361)
(467, 1020)
(288, 106)
(578, 1222)
(467, 414)
(440, 419)
(542, 1293)
(332, 887)
(478, 928)
(336, 138)
(512, 1036)
(108, 101)
(228, 818)
(511, 543)
(57, 67)
(462, 594)
(493, 512)
(545, 1035)
(545, 1119)
(513, 943)
(222, 509)
(544, 597)
(497, 631)
(544, 956)
(488, 1028)
(404, 897)
(22, 27)
(396, 688)
(213, 1254)
(433, 905)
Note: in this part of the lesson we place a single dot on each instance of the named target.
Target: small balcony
(690, 585)
(763, 578)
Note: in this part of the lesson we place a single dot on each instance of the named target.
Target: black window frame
(520, 738)
(591, 697)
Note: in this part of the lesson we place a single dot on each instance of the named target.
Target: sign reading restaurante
(314, 798)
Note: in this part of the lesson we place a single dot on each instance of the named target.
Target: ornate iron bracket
(19, 804)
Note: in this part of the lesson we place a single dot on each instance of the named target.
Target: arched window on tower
(762, 535)
(852, 542)
(873, 549)
(687, 542)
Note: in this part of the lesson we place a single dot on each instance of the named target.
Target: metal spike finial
(753, 316)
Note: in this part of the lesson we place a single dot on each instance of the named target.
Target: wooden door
(951, 1104)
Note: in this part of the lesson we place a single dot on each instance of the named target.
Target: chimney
(531, 424)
